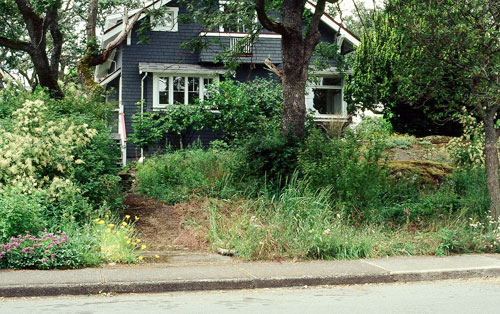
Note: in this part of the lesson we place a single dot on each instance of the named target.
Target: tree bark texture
(491, 159)
(297, 50)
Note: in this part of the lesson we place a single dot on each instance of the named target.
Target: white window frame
(174, 27)
(319, 85)
(156, 90)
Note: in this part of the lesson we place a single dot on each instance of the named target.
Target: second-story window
(167, 22)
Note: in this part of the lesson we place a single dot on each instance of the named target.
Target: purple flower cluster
(29, 244)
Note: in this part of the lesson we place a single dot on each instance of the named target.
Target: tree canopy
(442, 55)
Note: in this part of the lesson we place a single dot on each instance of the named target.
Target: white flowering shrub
(46, 153)
(468, 150)
(39, 148)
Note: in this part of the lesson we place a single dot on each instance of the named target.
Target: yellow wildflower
(140, 257)
(101, 222)
(106, 216)
(138, 240)
(143, 247)
(124, 223)
(136, 218)
(111, 225)
(133, 243)
(125, 237)
(157, 256)
(127, 216)
(96, 220)
(128, 241)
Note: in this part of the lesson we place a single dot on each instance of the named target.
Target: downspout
(142, 107)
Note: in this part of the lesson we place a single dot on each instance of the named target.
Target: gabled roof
(336, 26)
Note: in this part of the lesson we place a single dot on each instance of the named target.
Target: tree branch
(273, 68)
(92, 20)
(34, 23)
(260, 7)
(14, 44)
(313, 36)
(57, 38)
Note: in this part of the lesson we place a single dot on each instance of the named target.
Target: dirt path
(168, 228)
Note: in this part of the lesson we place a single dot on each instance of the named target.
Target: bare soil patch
(169, 227)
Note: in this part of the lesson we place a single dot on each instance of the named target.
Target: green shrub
(462, 194)
(96, 174)
(242, 108)
(355, 173)
(467, 151)
(268, 154)
(19, 213)
(71, 164)
(373, 128)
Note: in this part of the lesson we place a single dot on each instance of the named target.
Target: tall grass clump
(297, 223)
(176, 176)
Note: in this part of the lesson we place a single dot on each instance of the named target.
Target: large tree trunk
(491, 156)
(294, 84)
(46, 77)
(37, 27)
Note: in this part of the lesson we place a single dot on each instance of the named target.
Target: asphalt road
(458, 296)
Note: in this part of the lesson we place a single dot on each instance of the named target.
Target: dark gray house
(160, 73)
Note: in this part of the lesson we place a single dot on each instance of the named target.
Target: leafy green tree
(446, 52)
(41, 40)
(363, 18)
(31, 27)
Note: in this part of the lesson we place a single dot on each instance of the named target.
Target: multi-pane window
(328, 96)
(174, 89)
(207, 81)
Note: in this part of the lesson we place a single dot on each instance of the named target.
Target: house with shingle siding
(151, 76)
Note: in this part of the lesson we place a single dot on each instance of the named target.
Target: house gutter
(142, 108)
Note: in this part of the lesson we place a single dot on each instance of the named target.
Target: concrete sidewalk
(212, 272)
